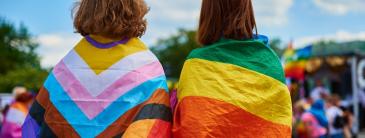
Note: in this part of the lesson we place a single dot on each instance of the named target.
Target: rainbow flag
(233, 89)
(295, 61)
(103, 90)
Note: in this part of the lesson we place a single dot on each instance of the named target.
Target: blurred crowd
(14, 114)
(323, 115)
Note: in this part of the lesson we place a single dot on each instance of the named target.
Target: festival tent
(339, 49)
(295, 60)
(343, 64)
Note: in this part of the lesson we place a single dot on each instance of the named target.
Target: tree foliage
(19, 63)
(31, 78)
(276, 45)
(173, 51)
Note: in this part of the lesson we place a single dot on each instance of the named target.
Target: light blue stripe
(91, 128)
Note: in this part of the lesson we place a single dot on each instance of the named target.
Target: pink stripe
(92, 106)
(76, 91)
(131, 80)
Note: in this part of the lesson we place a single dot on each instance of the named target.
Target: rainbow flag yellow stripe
(230, 89)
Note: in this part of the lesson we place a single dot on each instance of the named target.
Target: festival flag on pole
(233, 89)
(295, 61)
(103, 90)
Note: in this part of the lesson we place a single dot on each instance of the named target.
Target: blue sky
(303, 21)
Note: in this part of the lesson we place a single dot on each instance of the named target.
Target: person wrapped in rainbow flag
(109, 85)
(234, 86)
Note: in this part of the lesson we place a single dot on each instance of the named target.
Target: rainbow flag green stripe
(257, 56)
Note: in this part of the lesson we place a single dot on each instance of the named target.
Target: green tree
(19, 63)
(173, 51)
(276, 45)
(31, 78)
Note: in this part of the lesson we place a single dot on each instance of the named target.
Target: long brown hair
(231, 19)
(111, 18)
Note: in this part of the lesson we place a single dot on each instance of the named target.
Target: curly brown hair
(111, 18)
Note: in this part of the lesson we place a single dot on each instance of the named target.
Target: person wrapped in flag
(234, 86)
(16, 113)
(109, 85)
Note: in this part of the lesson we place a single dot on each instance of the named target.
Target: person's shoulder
(249, 54)
(135, 44)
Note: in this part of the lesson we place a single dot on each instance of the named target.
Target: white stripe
(96, 84)
(15, 116)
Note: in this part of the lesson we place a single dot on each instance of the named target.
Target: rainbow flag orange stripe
(233, 89)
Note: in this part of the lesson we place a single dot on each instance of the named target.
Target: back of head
(24, 97)
(111, 18)
(231, 19)
(18, 90)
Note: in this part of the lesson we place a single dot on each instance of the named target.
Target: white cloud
(339, 36)
(166, 16)
(341, 7)
(53, 47)
(272, 12)
(176, 11)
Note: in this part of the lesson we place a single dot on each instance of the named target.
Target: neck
(102, 39)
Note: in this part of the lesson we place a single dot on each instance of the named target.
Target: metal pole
(355, 94)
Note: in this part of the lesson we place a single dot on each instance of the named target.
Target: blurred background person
(319, 91)
(349, 120)
(315, 121)
(18, 90)
(16, 114)
(335, 117)
(299, 129)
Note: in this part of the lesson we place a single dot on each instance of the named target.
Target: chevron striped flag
(102, 89)
(233, 89)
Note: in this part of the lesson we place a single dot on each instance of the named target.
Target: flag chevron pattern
(111, 85)
(98, 83)
(90, 95)
(233, 89)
